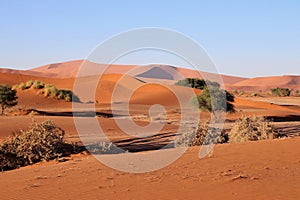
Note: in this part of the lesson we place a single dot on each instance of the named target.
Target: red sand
(251, 170)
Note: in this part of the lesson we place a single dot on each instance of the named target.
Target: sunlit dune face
(151, 94)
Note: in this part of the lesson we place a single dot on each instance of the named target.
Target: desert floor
(251, 170)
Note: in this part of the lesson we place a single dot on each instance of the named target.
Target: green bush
(8, 97)
(281, 92)
(42, 142)
(214, 99)
(65, 95)
(196, 83)
(203, 135)
(251, 129)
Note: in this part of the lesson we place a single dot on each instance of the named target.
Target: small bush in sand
(42, 142)
(254, 94)
(251, 129)
(21, 86)
(50, 90)
(38, 85)
(67, 95)
(203, 135)
(62, 94)
(28, 84)
(104, 147)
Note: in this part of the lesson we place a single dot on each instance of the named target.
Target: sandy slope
(70, 69)
(252, 170)
(121, 86)
(266, 83)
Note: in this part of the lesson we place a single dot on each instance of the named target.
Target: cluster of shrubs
(196, 83)
(48, 90)
(245, 129)
(281, 92)
(42, 142)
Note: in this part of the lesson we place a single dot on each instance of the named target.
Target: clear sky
(244, 38)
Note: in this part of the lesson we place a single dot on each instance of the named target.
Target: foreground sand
(252, 170)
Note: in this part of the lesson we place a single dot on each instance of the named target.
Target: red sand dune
(122, 87)
(70, 69)
(266, 83)
(25, 72)
(157, 73)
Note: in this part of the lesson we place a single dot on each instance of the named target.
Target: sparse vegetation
(8, 97)
(48, 90)
(204, 134)
(43, 141)
(251, 129)
(281, 92)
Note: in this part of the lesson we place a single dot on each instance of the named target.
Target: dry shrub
(204, 134)
(251, 129)
(42, 142)
(28, 84)
(38, 84)
(104, 148)
(50, 90)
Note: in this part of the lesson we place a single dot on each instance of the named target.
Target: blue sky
(244, 38)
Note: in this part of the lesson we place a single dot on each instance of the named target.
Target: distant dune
(70, 69)
(161, 74)
(265, 83)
